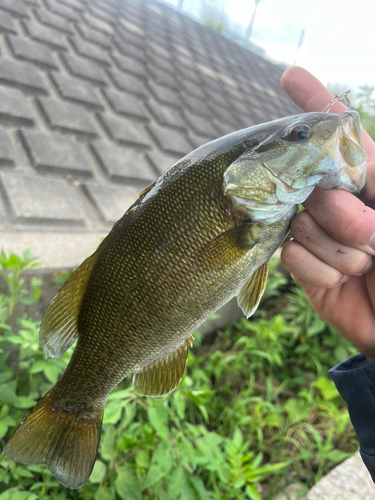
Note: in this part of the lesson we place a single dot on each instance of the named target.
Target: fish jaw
(279, 173)
(345, 148)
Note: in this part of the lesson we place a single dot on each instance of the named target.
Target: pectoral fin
(163, 375)
(59, 325)
(229, 246)
(250, 295)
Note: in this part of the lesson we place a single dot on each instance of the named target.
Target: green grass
(254, 412)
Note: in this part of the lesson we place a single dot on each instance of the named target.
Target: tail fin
(66, 441)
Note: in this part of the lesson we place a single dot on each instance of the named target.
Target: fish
(198, 236)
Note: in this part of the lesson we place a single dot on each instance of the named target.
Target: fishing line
(338, 98)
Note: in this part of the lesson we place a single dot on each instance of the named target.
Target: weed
(254, 412)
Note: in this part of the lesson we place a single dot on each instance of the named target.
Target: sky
(339, 42)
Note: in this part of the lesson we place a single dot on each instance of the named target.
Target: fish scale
(200, 235)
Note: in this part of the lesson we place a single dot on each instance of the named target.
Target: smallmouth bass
(200, 235)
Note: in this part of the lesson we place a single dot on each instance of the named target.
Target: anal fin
(251, 293)
(164, 374)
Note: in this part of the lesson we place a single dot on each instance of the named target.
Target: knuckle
(348, 229)
(302, 224)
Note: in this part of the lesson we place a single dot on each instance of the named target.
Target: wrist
(370, 357)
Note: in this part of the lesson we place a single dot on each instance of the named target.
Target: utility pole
(180, 4)
(249, 28)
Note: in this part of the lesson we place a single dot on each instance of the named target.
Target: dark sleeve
(355, 381)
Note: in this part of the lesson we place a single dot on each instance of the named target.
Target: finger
(346, 218)
(305, 266)
(370, 186)
(311, 95)
(347, 260)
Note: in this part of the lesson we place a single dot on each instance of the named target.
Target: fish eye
(300, 133)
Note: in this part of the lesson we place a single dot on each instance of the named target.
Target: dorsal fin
(164, 374)
(147, 189)
(59, 325)
(251, 293)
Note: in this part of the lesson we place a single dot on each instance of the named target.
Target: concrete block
(67, 117)
(98, 24)
(166, 115)
(90, 51)
(15, 7)
(14, 108)
(41, 33)
(6, 23)
(82, 68)
(55, 153)
(126, 104)
(197, 106)
(22, 75)
(94, 36)
(41, 200)
(165, 95)
(129, 65)
(125, 131)
(53, 21)
(62, 10)
(201, 125)
(160, 161)
(123, 164)
(77, 91)
(32, 52)
(170, 141)
(6, 150)
(111, 201)
(128, 83)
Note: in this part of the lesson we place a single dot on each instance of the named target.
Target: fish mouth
(346, 150)
(350, 126)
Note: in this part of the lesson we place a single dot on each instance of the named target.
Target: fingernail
(344, 279)
(371, 242)
(367, 268)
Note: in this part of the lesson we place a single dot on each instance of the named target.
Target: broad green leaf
(103, 494)
(8, 392)
(24, 402)
(200, 490)
(176, 483)
(39, 366)
(327, 388)
(158, 415)
(130, 413)
(121, 394)
(113, 411)
(107, 443)
(127, 485)
(142, 459)
(52, 372)
(179, 400)
(6, 422)
(21, 495)
(4, 377)
(298, 409)
(98, 472)
(161, 464)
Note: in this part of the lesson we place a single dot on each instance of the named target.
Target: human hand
(331, 254)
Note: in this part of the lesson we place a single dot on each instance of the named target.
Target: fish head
(313, 149)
